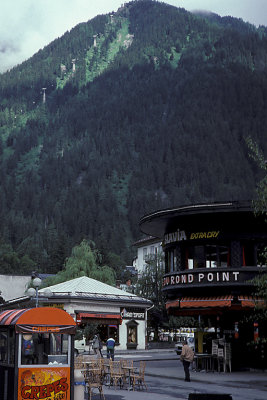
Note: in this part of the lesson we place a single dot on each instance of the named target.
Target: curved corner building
(212, 252)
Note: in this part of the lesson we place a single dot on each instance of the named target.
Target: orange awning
(172, 303)
(45, 319)
(206, 302)
(250, 301)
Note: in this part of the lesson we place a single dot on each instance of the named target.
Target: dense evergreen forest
(145, 108)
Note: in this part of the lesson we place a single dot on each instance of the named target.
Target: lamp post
(34, 291)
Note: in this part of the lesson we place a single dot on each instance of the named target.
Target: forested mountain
(145, 108)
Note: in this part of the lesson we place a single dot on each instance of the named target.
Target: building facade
(113, 312)
(212, 253)
(147, 248)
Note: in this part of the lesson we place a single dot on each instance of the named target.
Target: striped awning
(250, 301)
(44, 319)
(172, 303)
(200, 302)
(10, 317)
(205, 302)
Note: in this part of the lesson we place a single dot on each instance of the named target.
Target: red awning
(172, 303)
(45, 319)
(206, 302)
(103, 317)
(250, 301)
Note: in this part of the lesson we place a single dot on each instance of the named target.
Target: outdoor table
(206, 361)
(129, 369)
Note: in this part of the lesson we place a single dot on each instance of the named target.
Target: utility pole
(95, 36)
(44, 98)
(73, 64)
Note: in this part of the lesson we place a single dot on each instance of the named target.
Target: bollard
(79, 385)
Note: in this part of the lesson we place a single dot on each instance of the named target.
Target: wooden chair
(79, 363)
(94, 381)
(139, 379)
(116, 374)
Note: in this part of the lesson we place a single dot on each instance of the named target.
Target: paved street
(165, 380)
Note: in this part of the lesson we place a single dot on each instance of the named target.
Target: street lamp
(34, 291)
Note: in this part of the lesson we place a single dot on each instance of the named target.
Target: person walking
(187, 357)
(110, 348)
(100, 346)
(96, 345)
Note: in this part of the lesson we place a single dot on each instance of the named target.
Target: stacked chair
(221, 352)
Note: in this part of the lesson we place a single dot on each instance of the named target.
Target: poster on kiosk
(36, 354)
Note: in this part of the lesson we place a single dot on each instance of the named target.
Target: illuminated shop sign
(201, 277)
(131, 313)
(178, 236)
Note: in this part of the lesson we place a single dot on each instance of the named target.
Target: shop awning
(172, 303)
(250, 301)
(39, 320)
(206, 302)
(103, 318)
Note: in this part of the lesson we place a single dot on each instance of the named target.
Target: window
(7, 346)
(3, 347)
(132, 334)
(44, 349)
(105, 331)
(171, 260)
(144, 253)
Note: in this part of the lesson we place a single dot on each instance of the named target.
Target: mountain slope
(144, 109)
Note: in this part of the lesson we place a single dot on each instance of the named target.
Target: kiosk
(36, 354)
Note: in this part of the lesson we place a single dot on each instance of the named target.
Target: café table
(203, 360)
(129, 369)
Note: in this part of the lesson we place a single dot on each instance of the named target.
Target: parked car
(80, 346)
(190, 341)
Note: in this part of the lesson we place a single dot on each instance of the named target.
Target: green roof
(87, 285)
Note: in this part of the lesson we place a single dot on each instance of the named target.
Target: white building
(12, 286)
(115, 312)
(146, 248)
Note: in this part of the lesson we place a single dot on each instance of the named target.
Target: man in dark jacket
(110, 348)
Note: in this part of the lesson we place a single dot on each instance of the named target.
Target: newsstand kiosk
(36, 354)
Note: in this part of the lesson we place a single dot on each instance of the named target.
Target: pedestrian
(187, 357)
(100, 346)
(110, 348)
(96, 345)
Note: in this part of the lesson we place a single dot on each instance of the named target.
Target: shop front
(101, 308)
(36, 356)
(212, 254)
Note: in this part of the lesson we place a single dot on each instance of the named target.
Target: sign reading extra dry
(178, 236)
(201, 277)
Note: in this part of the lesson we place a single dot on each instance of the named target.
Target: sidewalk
(255, 377)
(166, 372)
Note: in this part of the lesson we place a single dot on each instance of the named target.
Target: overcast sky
(28, 25)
